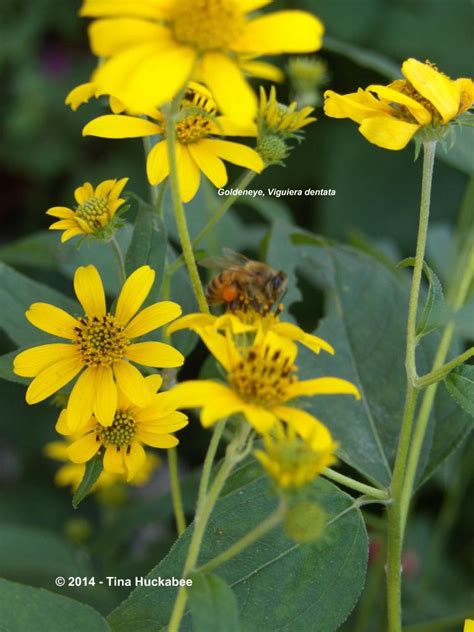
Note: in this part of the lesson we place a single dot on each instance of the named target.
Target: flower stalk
(120, 260)
(351, 483)
(176, 491)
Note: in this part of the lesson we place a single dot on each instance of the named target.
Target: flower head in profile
(296, 454)
(200, 147)
(95, 211)
(261, 382)
(101, 347)
(307, 76)
(133, 427)
(71, 474)
(152, 47)
(278, 123)
(424, 102)
(249, 324)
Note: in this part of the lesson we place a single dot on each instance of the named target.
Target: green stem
(120, 261)
(179, 210)
(234, 453)
(371, 594)
(176, 491)
(272, 521)
(351, 483)
(394, 525)
(208, 463)
(436, 375)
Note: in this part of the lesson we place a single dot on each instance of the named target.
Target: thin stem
(176, 491)
(394, 525)
(120, 261)
(272, 521)
(436, 375)
(179, 211)
(351, 483)
(208, 462)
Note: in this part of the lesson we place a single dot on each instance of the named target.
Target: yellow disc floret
(101, 341)
(207, 24)
(94, 213)
(121, 433)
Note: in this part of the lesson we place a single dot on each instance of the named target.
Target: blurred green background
(43, 54)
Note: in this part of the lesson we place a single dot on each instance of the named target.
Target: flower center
(207, 24)
(101, 341)
(263, 378)
(120, 433)
(94, 212)
(192, 128)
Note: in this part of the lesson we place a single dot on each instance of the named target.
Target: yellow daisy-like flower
(199, 145)
(261, 381)
(389, 116)
(279, 118)
(95, 209)
(71, 474)
(296, 454)
(132, 427)
(101, 347)
(251, 322)
(153, 47)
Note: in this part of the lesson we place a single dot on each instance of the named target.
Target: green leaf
(213, 605)
(25, 608)
(91, 474)
(148, 245)
(460, 384)
(276, 582)
(17, 292)
(434, 311)
(38, 250)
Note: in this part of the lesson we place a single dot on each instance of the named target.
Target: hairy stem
(351, 483)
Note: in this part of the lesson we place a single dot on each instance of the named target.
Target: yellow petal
(159, 408)
(281, 32)
(260, 418)
(220, 347)
(356, 106)
(158, 441)
(90, 291)
(417, 110)
(151, 318)
(221, 407)
(227, 126)
(135, 459)
(134, 292)
(169, 423)
(105, 400)
(209, 164)
(64, 224)
(236, 153)
(52, 319)
(439, 89)
(69, 234)
(389, 133)
(307, 426)
(82, 194)
(118, 188)
(120, 126)
(84, 448)
(110, 36)
(143, 8)
(188, 173)
(157, 165)
(80, 94)
(113, 460)
(192, 321)
(132, 383)
(156, 354)
(196, 393)
(231, 91)
(60, 211)
(62, 425)
(103, 189)
(31, 362)
(251, 5)
(79, 406)
(154, 383)
(293, 332)
(263, 70)
(466, 91)
(323, 386)
(52, 379)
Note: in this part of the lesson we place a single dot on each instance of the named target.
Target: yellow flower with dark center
(389, 116)
(132, 427)
(101, 347)
(71, 474)
(96, 208)
(249, 323)
(199, 145)
(153, 47)
(261, 381)
(294, 455)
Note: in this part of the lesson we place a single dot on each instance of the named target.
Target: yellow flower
(296, 455)
(95, 209)
(426, 99)
(251, 322)
(71, 474)
(261, 381)
(101, 344)
(152, 47)
(469, 625)
(279, 118)
(122, 441)
(199, 145)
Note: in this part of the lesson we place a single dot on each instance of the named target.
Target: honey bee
(243, 283)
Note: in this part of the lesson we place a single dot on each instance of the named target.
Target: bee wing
(229, 259)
